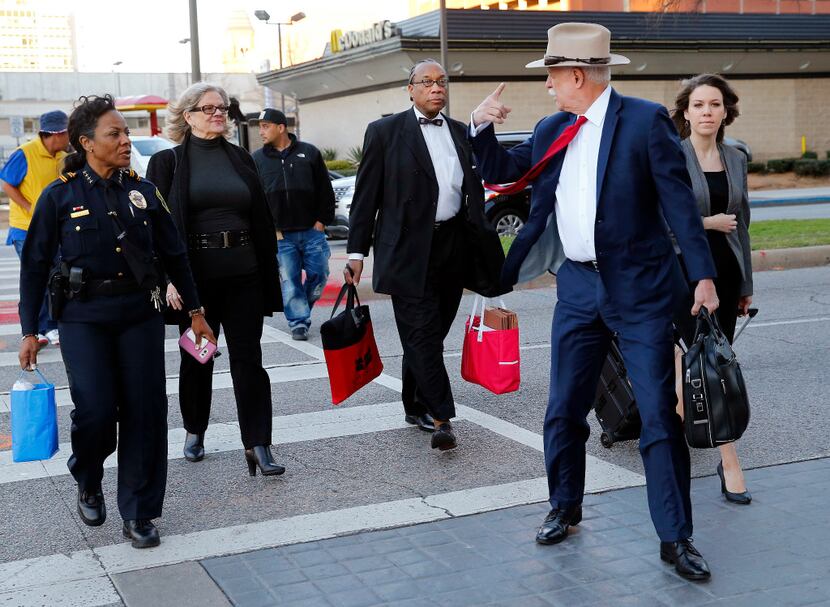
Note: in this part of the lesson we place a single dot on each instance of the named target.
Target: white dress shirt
(447, 167)
(576, 192)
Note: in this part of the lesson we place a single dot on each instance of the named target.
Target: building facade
(36, 38)
(779, 64)
(777, 7)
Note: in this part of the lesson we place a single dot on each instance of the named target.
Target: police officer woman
(111, 228)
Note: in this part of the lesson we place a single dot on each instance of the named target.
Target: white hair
(177, 126)
(598, 74)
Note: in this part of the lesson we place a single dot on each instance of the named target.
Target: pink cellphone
(206, 353)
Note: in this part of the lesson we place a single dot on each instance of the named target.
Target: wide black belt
(591, 265)
(219, 240)
(117, 286)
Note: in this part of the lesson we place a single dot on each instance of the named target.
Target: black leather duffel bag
(715, 403)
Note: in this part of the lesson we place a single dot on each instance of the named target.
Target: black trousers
(423, 323)
(117, 382)
(235, 304)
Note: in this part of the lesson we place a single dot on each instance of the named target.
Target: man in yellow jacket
(27, 172)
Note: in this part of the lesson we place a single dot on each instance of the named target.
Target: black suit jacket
(170, 172)
(394, 206)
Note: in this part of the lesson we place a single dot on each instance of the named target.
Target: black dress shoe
(743, 499)
(443, 438)
(142, 532)
(91, 507)
(555, 527)
(260, 457)
(299, 333)
(424, 422)
(686, 559)
(194, 447)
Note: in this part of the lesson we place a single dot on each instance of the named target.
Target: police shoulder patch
(161, 201)
(67, 176)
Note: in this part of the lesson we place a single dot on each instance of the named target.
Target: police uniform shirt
(71, 217)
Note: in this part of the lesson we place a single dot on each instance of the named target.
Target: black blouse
(219, 200)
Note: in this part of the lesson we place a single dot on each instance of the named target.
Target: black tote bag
(715, 402)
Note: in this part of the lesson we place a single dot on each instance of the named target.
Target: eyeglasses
(428, 84)
(210, 110)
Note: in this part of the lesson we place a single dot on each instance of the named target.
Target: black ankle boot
(260, 457)
(194, 447)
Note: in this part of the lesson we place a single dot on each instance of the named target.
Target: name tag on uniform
(77, 214)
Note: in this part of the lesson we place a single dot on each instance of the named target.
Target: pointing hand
(491, 109)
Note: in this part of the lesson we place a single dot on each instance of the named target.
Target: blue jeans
(44, 323)
(297, 251)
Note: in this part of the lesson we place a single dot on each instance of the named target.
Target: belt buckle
(225, 242)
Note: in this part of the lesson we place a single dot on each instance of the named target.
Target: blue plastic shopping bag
(34, 421)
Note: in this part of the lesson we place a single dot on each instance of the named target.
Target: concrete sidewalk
(774, 552)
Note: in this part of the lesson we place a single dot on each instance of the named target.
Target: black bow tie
(435, 121)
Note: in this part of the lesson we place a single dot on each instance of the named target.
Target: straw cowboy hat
(578, 45)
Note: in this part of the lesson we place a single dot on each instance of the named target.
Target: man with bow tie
(419, 202)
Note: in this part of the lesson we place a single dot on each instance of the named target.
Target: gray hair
(598, 74)
(177, 127)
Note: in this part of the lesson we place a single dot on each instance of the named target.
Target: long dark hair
(681, 103)
(82, 123)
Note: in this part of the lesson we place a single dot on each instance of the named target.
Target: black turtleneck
(219, 200)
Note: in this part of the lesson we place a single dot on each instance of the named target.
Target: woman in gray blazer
(705, 105)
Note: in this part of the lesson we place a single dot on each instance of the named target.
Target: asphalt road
(362, 454)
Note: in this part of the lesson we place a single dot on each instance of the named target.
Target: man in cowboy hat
(597, 222)
(27, 172)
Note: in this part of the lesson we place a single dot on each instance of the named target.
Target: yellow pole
(803, 144)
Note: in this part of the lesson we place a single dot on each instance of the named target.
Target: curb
(788, 259)
(762, 261)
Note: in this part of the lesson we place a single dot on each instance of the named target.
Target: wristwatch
(200, 311)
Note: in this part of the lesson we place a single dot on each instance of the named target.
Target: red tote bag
(349, 346)
(490, 357)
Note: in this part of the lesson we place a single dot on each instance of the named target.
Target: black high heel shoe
(261, 457)
(194, 447)
(736, 498)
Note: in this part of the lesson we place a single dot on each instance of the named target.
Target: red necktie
(558, 145)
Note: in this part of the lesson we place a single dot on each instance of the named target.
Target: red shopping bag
(490, 357)
(349, 346)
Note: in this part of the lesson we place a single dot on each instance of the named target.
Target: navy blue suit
(642, 183)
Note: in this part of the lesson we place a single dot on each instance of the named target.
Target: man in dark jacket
(419, 204)
(299, 193)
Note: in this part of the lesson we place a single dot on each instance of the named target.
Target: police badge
(138, 200)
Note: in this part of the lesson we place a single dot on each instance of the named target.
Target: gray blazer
(735, 164)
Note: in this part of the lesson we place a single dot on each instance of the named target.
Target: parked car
(509, 213)
(343, 194)
(143, 147)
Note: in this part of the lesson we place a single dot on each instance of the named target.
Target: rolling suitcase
(614, 403)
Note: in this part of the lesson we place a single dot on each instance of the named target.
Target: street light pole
(279, 43)
(264, 16)
(117, 76)
(444, 58)
(195, 68)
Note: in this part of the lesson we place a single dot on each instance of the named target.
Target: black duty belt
(219, 240)
(591, 265)
(118, 286)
